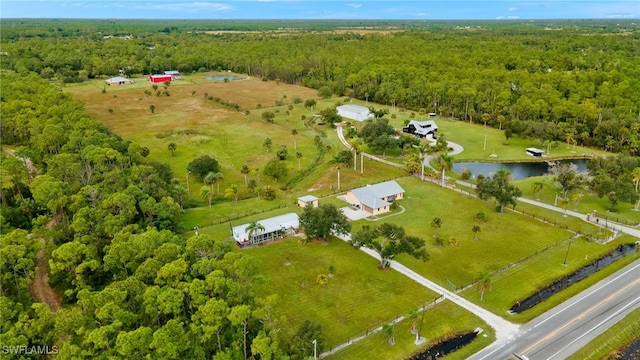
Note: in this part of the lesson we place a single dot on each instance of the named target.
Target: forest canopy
(568, 82)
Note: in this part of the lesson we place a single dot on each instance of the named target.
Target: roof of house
(354, 108)
(372, 195)
(118, 79)
(424, 127)
(172, 72)
(308, 198)
(286, 221)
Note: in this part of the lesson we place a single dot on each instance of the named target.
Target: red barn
(159, 78)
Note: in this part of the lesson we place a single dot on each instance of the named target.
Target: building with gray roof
(375, 199)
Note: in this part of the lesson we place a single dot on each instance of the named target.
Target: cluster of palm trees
(207, 191)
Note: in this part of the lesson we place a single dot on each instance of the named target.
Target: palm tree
(476, 229)
(206, 193)
(444, 163)
(636, 180)
(338, 170)
(172, 146)
(245, 171)
(218, 179)
(538, 188)
(294, 132)
(483, 284)
(298, 156)
(436, 223)
(232, 193)
(389, 333)
(210, 179)
(253, 227)
(180, 190)
(413, 317)
(575, 199)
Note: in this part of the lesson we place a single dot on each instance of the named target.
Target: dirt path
(40, 289)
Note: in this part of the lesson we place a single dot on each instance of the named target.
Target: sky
(323, 9)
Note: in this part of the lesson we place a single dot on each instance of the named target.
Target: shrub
(203, 165)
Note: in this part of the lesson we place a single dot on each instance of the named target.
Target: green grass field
(358, 298)
(437, 326)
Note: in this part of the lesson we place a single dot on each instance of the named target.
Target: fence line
(332, 350)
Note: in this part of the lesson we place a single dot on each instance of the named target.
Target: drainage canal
(446, 347)
(559, 285)
(632, 352)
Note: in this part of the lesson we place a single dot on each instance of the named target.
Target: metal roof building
(275, 227)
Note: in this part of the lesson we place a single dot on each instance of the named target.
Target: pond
(223, 77)
(519, 170)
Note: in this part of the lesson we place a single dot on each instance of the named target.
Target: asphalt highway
(566, 328)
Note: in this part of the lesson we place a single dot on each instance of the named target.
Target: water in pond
(578, 275)
(223, 77)
(519, 171)
(445, 347)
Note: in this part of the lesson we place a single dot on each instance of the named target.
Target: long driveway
(505, 331)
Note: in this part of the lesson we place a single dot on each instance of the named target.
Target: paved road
(563, 330)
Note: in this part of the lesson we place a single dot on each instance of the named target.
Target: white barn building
(354, 112)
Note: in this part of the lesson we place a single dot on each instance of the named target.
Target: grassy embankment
(609, 343)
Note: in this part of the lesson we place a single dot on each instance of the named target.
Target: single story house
(375, 199)
(421, 128)
(308, 200)
(354, 112)
(274, 228)
(160, 78)
(119, 80)
(175, 74)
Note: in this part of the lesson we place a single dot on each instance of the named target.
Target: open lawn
(542, 269)
(503, 239)
(438, 325)
(200, 126)
(357, 298)
(472, 138)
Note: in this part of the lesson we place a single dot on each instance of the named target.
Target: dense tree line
(552, 85)
(131, 287)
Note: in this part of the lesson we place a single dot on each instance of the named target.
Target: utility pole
(188, 192)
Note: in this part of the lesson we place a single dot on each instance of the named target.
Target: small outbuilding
(270, 229)
(175, 74)
(354, 112)
(308, 200)
(119, 80)
(375, 199)
(160, 78)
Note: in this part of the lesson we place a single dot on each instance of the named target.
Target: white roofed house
(267, 230)
(421, 128)
(376, 199)
(354, 112)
